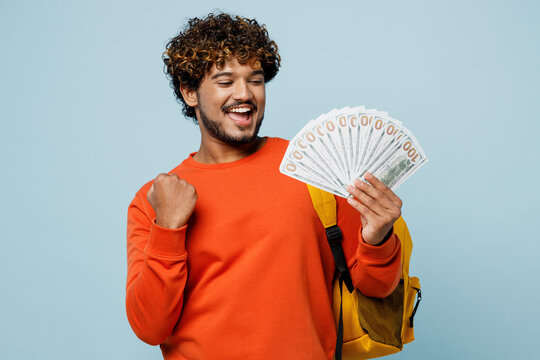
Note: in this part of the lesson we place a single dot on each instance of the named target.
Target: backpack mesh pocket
(382, 318)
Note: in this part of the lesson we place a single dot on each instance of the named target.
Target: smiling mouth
(241, 115)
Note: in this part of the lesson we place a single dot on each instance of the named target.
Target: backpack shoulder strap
(324, 204)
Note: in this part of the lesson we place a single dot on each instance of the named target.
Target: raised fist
(173, 200)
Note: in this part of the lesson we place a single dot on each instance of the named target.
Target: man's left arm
(372, 250)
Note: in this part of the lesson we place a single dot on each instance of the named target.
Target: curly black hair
(213, 40)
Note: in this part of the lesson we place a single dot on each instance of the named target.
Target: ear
(190, 95)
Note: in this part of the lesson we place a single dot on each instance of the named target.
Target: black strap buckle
(334, 235)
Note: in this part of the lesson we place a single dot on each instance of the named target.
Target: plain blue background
(87, 117)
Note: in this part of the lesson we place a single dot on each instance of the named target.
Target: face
(229, 102)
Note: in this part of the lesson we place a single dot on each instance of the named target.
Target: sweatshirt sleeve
(157, 273)
(375, 269)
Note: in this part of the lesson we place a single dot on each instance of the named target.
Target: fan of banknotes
(338, 147)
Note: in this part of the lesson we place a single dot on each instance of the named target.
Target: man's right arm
(157, 268)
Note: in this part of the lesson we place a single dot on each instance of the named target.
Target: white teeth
(240, 110)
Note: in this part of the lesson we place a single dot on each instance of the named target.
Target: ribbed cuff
(166, 242)
(378, 252)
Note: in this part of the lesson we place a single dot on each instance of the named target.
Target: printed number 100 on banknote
(338, 147)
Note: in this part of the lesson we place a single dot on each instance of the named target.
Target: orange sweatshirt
(250, 275)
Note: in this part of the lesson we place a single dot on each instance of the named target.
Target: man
(227, 258)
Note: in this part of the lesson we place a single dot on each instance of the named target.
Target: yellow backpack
(368, 327)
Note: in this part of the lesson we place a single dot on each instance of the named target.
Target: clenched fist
(173, 200)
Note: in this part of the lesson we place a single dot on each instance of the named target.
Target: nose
(242, 91)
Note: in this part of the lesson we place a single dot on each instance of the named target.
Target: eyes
(254, 81)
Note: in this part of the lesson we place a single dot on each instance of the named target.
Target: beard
(216, 130)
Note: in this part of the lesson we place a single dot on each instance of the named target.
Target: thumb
(363, 220)
(150, 192)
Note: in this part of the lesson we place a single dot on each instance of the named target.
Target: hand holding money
(378, 206)
(173, 200)
(348, 146)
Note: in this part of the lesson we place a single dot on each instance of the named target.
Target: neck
(213, 151)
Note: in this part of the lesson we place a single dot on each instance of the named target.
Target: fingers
(379, 185)
(361, 194)
(377, 204)
(173, 200)
(163, 177)
(160, 184)
(377, 197)
(361, 208)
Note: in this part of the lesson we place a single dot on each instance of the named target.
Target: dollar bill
(340, 146)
